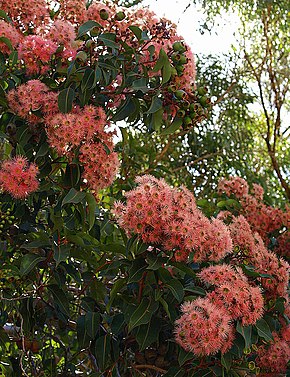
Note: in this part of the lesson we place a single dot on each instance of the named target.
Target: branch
(148, 366)
(228, 90)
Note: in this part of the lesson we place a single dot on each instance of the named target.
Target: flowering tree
(106, 279)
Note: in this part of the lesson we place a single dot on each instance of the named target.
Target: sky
(187, 21)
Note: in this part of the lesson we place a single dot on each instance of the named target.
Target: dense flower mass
(85, 129)
(18, 177)
(253, 251)
(36, 53)
(273, 358)
(262, 218)
(29, 98)
(204, 328)
(234, 293)
(26, 14)
(10, 32)
(168, 216)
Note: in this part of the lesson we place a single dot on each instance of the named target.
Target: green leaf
(140, 84)
(92, 323)
(125, 110)
(91, 213)
(136, 270)
(28, 262)
(264, 330)
(82, 335)
(7, 42)
(175, 125)
(227, 360)
(109, 40)
(86, 27)
(148, 334)
(166, 71)
(73, 196)
(114, 291)
(156, 105)
(184, 356)
(136, 31)
(65, 99)
(102, 351)
(176, 289)
(60, 298)
(89, 79)
(61, 253)
(194, 289)
(246, 332)
(154, 262)
(4, 16)
(4, 339)
(142, 314)
(156, 120)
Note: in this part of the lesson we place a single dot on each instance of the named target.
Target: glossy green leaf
(156, 104)
(227, 360)
(91, 213)
(60, 298)
(264, 330)
(137, 31)
(176, 289)
(28, 262)
(92, 322)
(73, 196)
(82, 335)
(7, 42)
(109, 40)
(102, 351)
(127, 108)
(246, 332)
(184, 356)
(86, 27)
(89, 79)
(175, 125)
(148, 334)
(65, 99)
(142, 314)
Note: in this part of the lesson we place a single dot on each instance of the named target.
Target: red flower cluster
(274, 357)
(85, 129)
(204, 328)
(262, 218)
(233, 292)
(167, 216)
(18, 177)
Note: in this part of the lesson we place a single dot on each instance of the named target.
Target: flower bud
(120, 16)
(104, 14)
(180, 94)
(81, 56)
(178, 47)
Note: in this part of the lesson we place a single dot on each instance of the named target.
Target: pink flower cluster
(36, 52)
(211, 329)
(10, 32)
(274, 357)
(262, 218)
(30, 97)
(233, 292)
(253, 252)
(167, 216)
(18, 177)
(204, 328)
(26, 14)
(85, 129)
